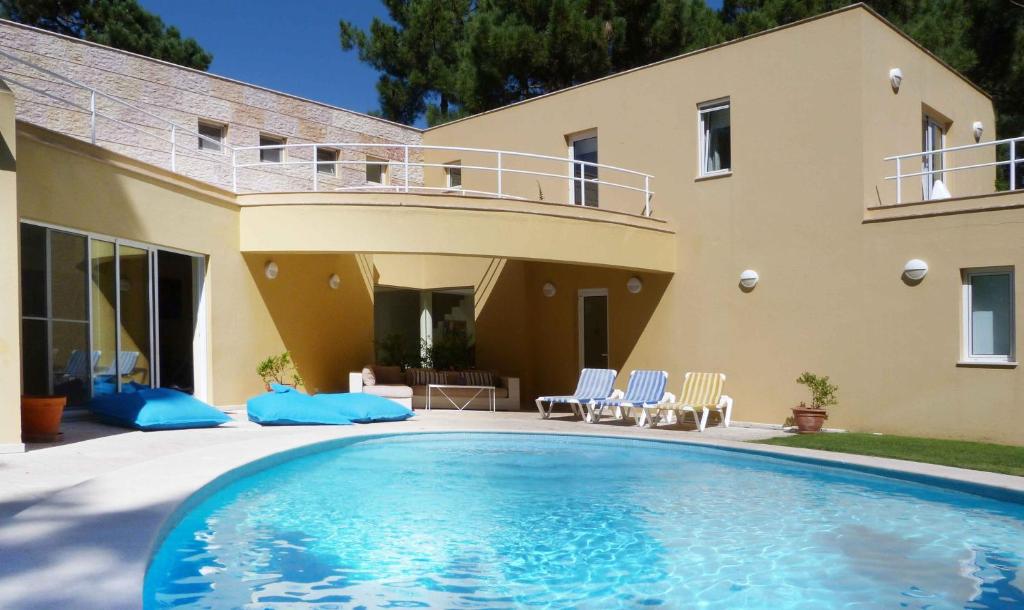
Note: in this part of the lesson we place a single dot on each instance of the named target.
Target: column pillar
(10, 296)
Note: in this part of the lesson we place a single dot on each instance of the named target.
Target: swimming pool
(514, 520)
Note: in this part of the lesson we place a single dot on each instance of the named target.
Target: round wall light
(915, 270)
(895, 79)
(749, 278)
(334, 281)
(270, 270)
(548, 289)
(978, 128)
(634, 285)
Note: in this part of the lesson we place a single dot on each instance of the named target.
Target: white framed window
(326, 161)
(933, 136)
(211, 135)
(988, 315)
(715, 138)
(376, 170)
(271, 155)
(585, 176)
(453, 174)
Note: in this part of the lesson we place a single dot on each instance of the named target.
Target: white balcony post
(647, 195)
(405, 166)
(234, 170)
(899, 182)
(1013, 165)
(316, 173)
(499, 174)
(92, 116)
(174, 148)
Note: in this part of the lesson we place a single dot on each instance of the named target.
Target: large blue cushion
(155, 409)
(285, 406)
(365, 408)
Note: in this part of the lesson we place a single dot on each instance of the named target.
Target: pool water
(511, 521)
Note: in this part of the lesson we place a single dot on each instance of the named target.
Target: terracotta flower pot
(40, 418)
(809, 421)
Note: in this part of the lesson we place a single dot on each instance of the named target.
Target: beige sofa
(409, 387)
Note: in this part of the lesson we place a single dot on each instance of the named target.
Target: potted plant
(40, 418)
(823, 395)
(279, 369)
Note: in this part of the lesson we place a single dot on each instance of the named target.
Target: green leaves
(823, 393)
(121, 24)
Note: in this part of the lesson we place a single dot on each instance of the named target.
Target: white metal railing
(408, 157)
(503, 174)
(1013, 158)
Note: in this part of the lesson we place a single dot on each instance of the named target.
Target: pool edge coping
(186, 483)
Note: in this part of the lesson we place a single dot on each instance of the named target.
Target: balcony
(57, 102)
(974, 172)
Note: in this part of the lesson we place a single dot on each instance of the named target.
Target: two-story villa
(736, 209)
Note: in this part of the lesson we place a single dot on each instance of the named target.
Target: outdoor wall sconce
(915, 270)
(979, 128)
(270, 270)
(334, 281)
(548, 289)
(895, 79)
(634, 285)
(748, 279)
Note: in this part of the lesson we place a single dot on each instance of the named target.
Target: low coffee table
(480, 389)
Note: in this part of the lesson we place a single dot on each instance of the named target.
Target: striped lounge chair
(701, 392)
(645, 389)
(594, 384)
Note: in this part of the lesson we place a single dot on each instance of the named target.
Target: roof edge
(825, 15)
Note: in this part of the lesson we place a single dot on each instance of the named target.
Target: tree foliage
(121, 24)
(447, 58)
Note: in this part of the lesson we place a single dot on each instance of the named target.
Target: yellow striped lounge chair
(701, 393)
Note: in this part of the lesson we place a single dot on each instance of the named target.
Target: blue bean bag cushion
(145, 408)
(365, 408)
(285, 406)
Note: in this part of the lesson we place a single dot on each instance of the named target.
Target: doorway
(592, 319)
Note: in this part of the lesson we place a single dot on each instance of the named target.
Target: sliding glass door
(99, 314)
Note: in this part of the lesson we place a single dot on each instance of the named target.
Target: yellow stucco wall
(813, 115)
(10, 308)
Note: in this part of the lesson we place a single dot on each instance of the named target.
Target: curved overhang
(417, 223)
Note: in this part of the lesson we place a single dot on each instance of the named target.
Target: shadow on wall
(328, 331)
(522, 332)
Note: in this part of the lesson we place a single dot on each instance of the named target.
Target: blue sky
(290, 45)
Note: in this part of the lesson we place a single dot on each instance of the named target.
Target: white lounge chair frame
(676, 412)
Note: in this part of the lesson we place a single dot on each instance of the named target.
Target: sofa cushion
(424, 377)
(369, 377)
(389, 391)
(477, 378)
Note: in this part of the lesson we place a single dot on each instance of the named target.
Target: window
(934, 138)
(454, 174)
(584, 169)
(326, 159)
(271, 155)
(715, 145)
(211, 136)
(988, 315)
(376, 170)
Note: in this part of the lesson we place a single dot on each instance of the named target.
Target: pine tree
(121, 24)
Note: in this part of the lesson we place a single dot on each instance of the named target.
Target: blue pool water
(510, 521)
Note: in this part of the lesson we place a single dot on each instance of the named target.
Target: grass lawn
(962, 454)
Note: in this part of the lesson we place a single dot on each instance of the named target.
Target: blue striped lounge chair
(594, 384)
(701, 393)
(645, 388)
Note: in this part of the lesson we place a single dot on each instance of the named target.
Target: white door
(934, 139)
